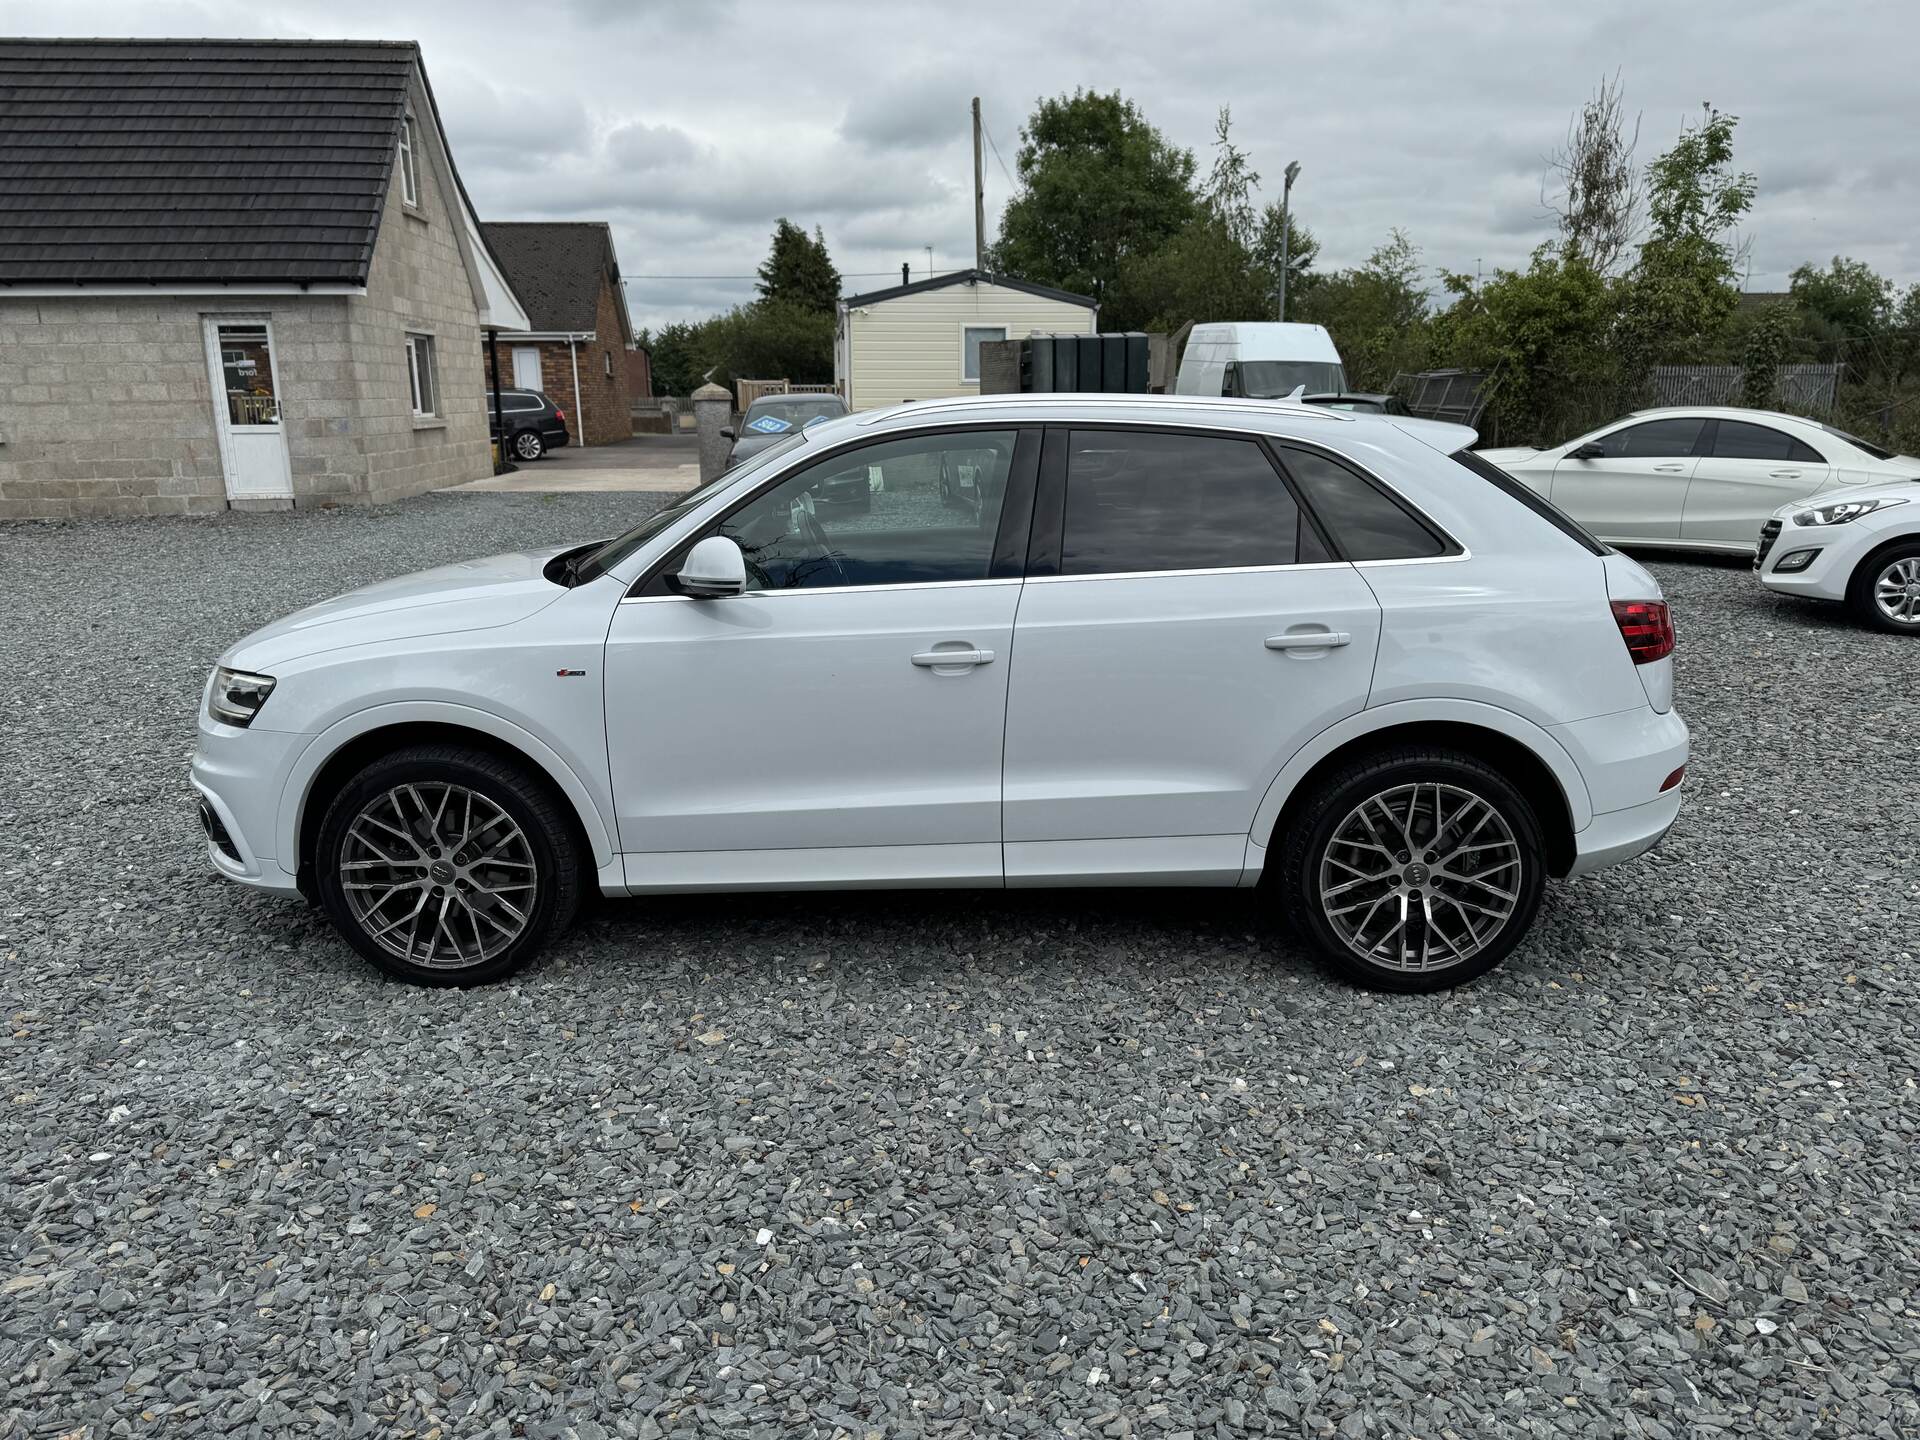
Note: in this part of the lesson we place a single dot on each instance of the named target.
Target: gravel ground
(1044, 1164)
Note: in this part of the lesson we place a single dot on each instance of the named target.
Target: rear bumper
(1620, 835)
(1625, 759)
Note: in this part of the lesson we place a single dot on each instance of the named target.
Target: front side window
(423, 376)
(971, 339)
(409, 174)
(912, 511)
(1141, 500)
(1739, 440)
(1654, 440)
(1364, 521)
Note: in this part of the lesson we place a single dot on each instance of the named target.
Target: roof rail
(1111, 401)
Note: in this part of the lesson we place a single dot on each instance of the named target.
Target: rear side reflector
(1647, 627)
(1672, 780)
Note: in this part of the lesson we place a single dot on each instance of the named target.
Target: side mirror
(713, 568)
(1589, 451)
(728, 434)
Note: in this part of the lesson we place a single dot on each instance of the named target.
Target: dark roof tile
(555, 267)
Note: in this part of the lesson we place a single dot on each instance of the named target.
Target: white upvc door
(526, 367)
(246, 405)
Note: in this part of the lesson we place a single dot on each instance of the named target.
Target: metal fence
(1803, 389)
(1455, 395)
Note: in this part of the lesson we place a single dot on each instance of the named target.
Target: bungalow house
(576, 349)
(234, 273)
(920, 340)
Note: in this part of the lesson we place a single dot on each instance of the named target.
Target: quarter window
(1141, 500)
(1364, 521)
(409, 174)
(423, 376)
(1739, 440)
(911, 511)
(1654, 440)
(971, 338)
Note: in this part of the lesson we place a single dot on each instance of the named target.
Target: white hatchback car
(1147, 642)
(1697, 479)
(1862, 548)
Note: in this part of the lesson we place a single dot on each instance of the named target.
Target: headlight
(236, 696)
(1841, 511)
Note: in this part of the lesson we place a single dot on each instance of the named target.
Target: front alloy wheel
(447, 866)
(1886, 591)
(1413, 870)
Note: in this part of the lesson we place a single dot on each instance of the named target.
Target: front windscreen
(1277, 379)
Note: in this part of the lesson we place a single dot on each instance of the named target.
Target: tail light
(559, 414)
(1647, 627)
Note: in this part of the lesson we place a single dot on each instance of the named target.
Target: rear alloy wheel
(1414, 870)
(528, 445)
(1886, 590)
(447, 866)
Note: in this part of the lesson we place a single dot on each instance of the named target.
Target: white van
(1263, 360)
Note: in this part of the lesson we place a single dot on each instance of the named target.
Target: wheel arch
(1537, 764)
(343, 751)
(1900, 541)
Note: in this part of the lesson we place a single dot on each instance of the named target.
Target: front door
(526, 366)
(1196, 633)
(1746, 473)
(1636, 489)
(246, 391)
(842, 722)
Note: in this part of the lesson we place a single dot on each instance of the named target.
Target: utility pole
(1286, 230)
(929, 250)
(979, 197)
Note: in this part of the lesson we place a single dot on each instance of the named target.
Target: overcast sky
(691, 128)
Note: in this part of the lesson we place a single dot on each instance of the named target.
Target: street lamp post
(1286, 230)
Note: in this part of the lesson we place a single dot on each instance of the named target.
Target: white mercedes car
(1861, 548)
(1698, 479)
(1151, 642)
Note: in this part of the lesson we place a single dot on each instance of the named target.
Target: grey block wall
(106, 406)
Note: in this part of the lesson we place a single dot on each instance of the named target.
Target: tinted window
(922, 509)
(1739, 440)
(1655, 440)
(518, 400)
(1364, 521)
(1140, 500)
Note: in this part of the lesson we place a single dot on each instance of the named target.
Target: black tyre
(1885, 590)
(1412, 869)
(447, 866)
(529, 445)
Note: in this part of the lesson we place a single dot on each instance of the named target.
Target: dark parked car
(1365, 404)
(534, 424)
(772, 416)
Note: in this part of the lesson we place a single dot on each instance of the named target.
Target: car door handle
(1311, 640)
(1670, 469)
(1784, 474)
(933, 659)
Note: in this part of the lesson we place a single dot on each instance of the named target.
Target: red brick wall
(604, 411)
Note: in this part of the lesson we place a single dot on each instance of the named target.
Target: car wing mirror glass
(713, 568)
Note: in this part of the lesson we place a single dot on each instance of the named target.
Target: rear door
(1636, 489)
(1183, 629)
(1746, 472)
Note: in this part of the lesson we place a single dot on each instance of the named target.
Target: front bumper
(1826, 577)
(239, 776)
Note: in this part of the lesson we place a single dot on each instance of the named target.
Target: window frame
(1006, 560)
(409, 162)
(1006, 333)
(1710, 438)
(420, 343)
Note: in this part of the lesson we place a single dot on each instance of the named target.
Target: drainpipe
(573, 349)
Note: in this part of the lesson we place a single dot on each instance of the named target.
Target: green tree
(1203, 273)
(768, 340)
(1301, 251)
(676, 367)
(1846, 298)
(1681, 290)
(1099, 186)
(798, 269)
(1376, 312)
(1228, 193)
(1763, 348)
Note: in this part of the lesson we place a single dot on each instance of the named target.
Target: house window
(971, 337)
(423, 376)
(409, 176)
(609, 358)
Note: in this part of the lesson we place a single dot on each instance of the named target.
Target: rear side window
(1141, 500)
(1534, 501)
(1364, 521)
(1738, 440)
(1653, 440)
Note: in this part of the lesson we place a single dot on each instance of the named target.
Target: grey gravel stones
(1097, 1164)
